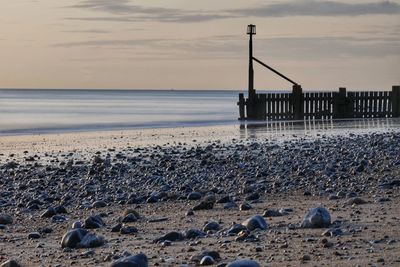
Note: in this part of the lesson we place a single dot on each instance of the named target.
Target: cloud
(125, 11)
(321, 8)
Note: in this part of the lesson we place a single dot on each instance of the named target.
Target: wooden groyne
(299, 105)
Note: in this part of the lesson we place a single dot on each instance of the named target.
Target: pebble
(194, 196)
(207, 260)
(316, 218)
(211, 226)
(204, 205)
(128, 230)
(244, 263)
(93, 222)
(255, 222)
(6, 219)
(50, 212)
(10, 263)
(139, 260)
(245, 206)
(34, 235)
(171, 236)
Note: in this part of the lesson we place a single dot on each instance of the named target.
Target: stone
(316, 218)
(255, 222)
(128, 230)
(99, 204)
(194, 196)
(243, 263)
(139, 260)
(253, 196)
(50, 212)
(211, 226)
(245, 206)
(5, 219)
(116, 228)
(356, 201)
(210, 253)
(76, 225)
(93, 222)
(129, 218)
(61, 210)
(34, 235)
(91, 241)
(204, 205)
(10, 263)
(131, 211)
(272, 213)
(72, 238)
(236, 228)
(194, 233)
(171, 236)
(230, 205)
(207, 260)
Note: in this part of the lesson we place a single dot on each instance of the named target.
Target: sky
(198, 44)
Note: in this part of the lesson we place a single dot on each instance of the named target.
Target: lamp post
(251, 30)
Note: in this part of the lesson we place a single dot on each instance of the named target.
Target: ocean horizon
(35, 111)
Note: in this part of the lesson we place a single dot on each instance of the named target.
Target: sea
(28, 111)
(42, 111)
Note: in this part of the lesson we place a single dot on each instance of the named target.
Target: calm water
(43, 111)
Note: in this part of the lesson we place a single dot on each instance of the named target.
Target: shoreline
(162, 176)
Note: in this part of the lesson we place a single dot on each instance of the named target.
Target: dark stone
(194, 233)
(5, 219)
(316, 218)
(194, 196)
(204, 205)
(207, 260)
(93, 222)
(245, 206)
(139, 260)
(255, 222)
(253, 196)
(34, 235)
(128, 230)
(10, 263)
(73, 237)
(211, 226)
(210, 253)
(171, 236)
(243, 263)
(116, 228)
(129, 218)
(99, 204)
(50, 212)
(236, 228)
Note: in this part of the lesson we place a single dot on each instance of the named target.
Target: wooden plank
(385, 106)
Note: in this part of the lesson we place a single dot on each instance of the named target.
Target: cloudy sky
(198, 44)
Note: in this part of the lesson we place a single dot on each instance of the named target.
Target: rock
(128, 230)
(255, 222)
(253, 196)
(243, 263)
(194, 196)
(210, 253)
(50, 212)
(73, 237)
(225, 199)
(139, 260)
(131, 211)
(116, 228)
(81, 238)
(356, 201)
(190, 213)
(211, 226)
(58, 218)
(207, 260)
(34, 235)
(129, 218)
(230, 205)
(236, 228)
(333, 232)
(194, 233)
(316, 218)
(204, 205)
(272, 213)
(245, 206)
(91, 241)
(76, 225)
(171, 236)
(10, 263)
(5, 219)
(60, 210)
(93, 222)
(99, 204)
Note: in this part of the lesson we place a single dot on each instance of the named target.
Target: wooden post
(298, 103)
(395, 101)
(241, 105)
(340, 107)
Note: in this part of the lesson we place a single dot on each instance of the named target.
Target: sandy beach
(174, 194)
